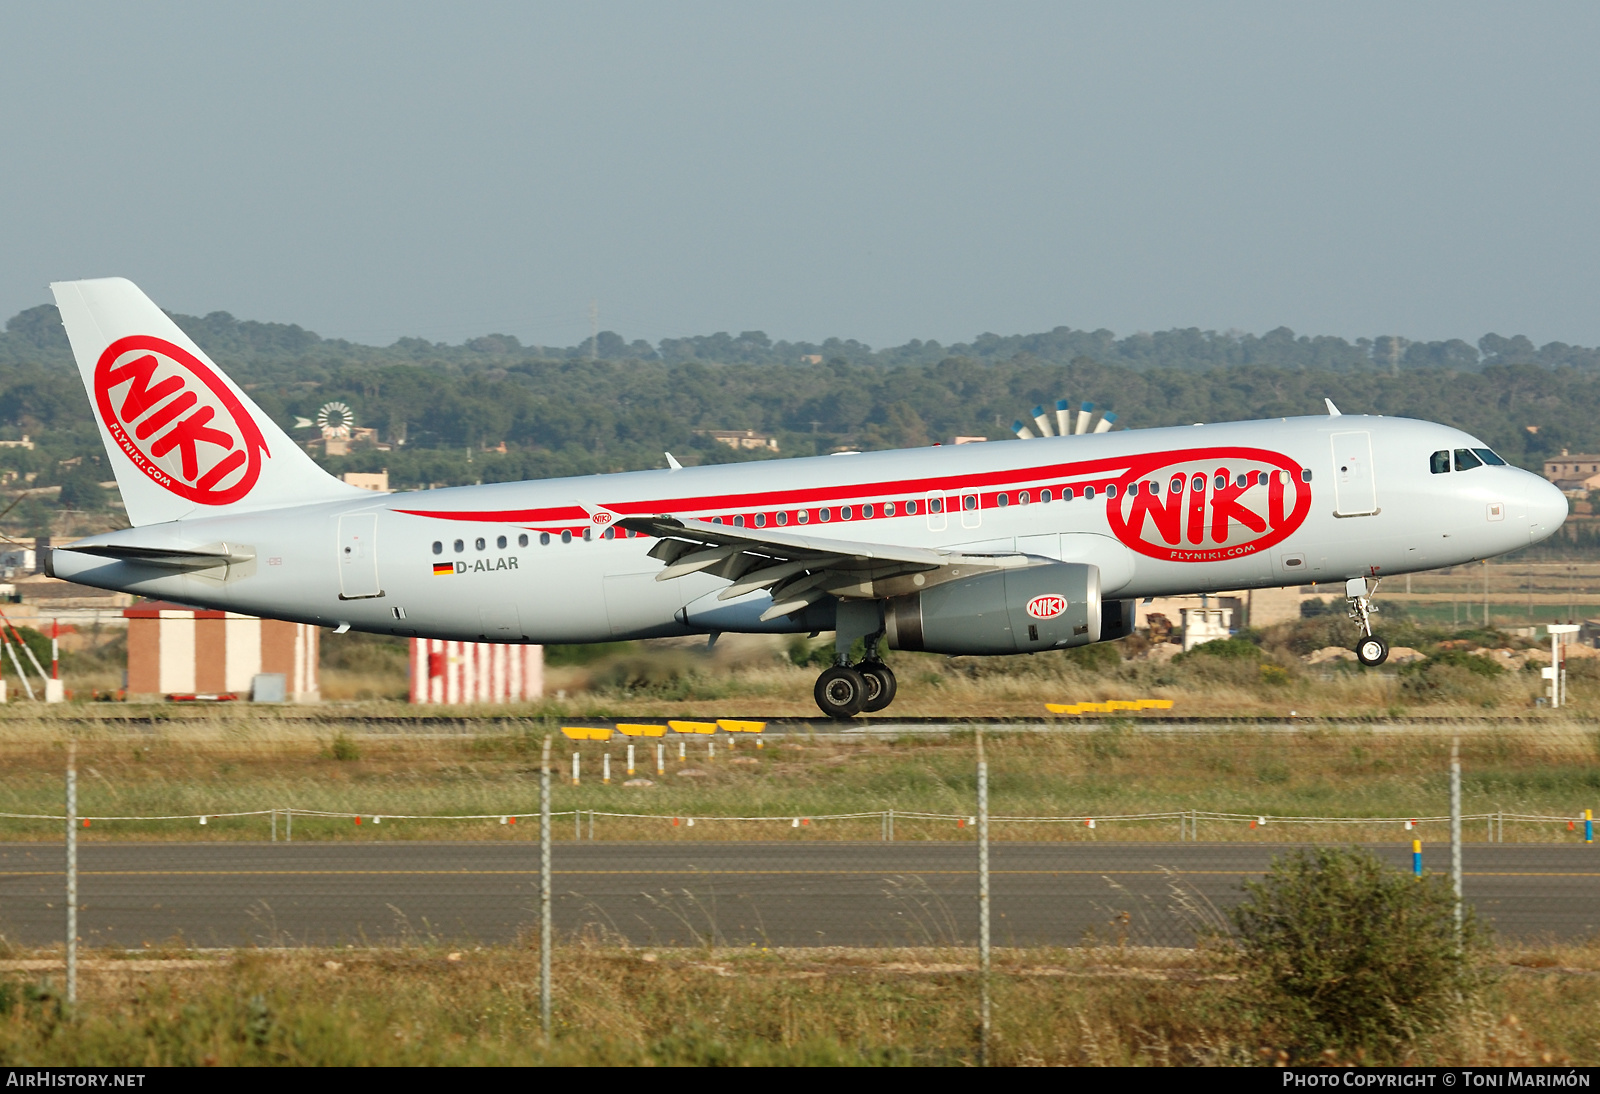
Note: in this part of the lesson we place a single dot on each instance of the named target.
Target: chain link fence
(285, 876)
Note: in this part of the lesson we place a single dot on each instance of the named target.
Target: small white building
(1205, 625)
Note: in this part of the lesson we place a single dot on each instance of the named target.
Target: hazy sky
(876, 171)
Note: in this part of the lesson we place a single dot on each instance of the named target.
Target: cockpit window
(1439, 462)
(1465, 460)
(1488, 456)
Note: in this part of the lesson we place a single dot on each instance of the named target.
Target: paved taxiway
(773, 893)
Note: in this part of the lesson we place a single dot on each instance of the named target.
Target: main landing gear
(868, 686)
(847, 690)
(1371, 650)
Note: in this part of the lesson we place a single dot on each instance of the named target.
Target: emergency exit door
(358, 557)
(1355, 487)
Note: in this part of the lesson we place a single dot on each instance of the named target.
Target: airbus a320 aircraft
(977, 549)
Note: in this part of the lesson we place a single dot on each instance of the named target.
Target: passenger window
(460, 546)
(935, 505)
(1003, 500)
(1490, 457)
(825, 515)
(500, 542)
(438, 548)
(480, 543)
(609, 533)
(1045, 495)
(1465, 460)
(1305, 474)
(566, 535)
(1439, 462)
(544, 539)
(761, 520)
(1176, 485)
(1023, 498)
(804, 516)
(911, 508)
(969, 502)
(1088, 493)
(846, 512)
(522, 540)
(783, 519)
(1111, 490)
(738, 521)
(866, 510)
(888, 508)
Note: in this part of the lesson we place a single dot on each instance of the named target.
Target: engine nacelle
(1008, 611)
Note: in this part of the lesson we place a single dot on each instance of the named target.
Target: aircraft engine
(1009, 611)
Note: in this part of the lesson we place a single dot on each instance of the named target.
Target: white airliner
(977, 549)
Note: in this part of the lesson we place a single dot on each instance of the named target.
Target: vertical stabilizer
(182, 438)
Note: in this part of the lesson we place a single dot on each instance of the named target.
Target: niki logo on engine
(1047, 607)
(177, 420)
(1209, 505)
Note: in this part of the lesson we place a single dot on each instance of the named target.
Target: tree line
(444, 411)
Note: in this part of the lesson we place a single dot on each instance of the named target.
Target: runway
(770, 893)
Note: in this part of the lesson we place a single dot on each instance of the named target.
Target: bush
(1474, 663)
(1343, 952)
(1230, 649)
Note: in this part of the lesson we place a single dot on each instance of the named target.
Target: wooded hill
(560, 412)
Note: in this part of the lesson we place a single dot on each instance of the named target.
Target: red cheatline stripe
(1098, 471)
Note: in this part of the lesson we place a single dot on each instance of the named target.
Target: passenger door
(358, 557)
(1355, 488)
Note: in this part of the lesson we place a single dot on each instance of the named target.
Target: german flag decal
(441, 568)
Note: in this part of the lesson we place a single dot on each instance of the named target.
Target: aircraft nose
(1546, 507)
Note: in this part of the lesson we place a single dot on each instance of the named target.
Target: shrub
(1341, 951)
(1472, 662)
(1231, 649)
(343, 748)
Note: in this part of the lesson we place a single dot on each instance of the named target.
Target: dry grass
(427, 1006)
(236, 760)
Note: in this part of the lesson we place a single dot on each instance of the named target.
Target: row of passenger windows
(1466, 459)
(968, 502)
(482, 544)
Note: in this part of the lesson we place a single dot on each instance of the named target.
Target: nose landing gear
(1371, 650)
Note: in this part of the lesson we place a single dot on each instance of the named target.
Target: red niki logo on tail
(1210, 504)
(176, 419)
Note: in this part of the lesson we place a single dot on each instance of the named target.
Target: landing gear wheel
(880, 685)
(841, 691)
(1372, 651)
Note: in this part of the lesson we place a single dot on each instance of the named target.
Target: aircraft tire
(840, 692)
(1372, 651)
(881, 685)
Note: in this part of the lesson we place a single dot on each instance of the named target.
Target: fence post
(891, 826)
(72, 873)
(983, 905)
(288, 826)
(274, 826)
(544, 892)
(1455, 829)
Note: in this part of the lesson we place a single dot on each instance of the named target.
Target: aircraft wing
(800, 568)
